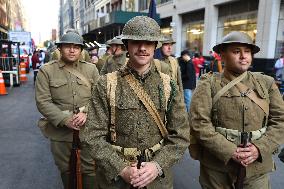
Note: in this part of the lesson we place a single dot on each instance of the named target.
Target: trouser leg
(61, 153)
(257, 182)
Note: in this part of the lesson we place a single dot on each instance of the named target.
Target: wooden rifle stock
(75, 178)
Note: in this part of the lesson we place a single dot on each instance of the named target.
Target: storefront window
(245, 22)
(238, 16)
(194, 35)
(279, 50)
(167, 31)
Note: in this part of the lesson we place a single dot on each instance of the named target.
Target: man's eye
(236, 52)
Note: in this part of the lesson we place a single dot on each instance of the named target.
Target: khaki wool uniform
(57, 93)
(135, 128)
(102, 61)
(84, 55)
(218, 170)
(174, 70)
(113, 63)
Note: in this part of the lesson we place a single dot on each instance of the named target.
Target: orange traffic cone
(2, 85)
(23, 75)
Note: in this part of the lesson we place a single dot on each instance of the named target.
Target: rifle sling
(79, 75)
(228, 86)
(148, 103)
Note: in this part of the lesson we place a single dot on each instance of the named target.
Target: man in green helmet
(167, 58)
(63, 86)
(118, 57)
(231, 107)
(137, 127)
(104, 57)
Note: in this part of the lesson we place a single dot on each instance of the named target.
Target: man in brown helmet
(232, 106)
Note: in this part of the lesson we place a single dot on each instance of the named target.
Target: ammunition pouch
(131, 154)
(235, 135)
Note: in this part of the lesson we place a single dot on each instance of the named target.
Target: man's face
(116, 49)
(141, 52)
(237, 58)
(167, 49)
(70, 53)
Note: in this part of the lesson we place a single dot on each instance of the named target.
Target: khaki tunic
(176, 77)
(54, 93)
(216, 149)
(102, 61)
(113, 63)
(135, 127)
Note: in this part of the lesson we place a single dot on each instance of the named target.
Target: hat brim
(144, 38)
(68, 42)
(217, 48)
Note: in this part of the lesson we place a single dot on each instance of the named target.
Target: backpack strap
(174, 66)
(111, 88)
(167, 86)
(158, 64)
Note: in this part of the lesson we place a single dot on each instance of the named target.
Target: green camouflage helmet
(71, 38)
(236, 37)
(142, 28)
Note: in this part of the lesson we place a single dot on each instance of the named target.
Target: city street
(25, 158)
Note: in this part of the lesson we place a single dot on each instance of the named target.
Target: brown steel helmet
(116, 41)
(236, 37)
(142, 28)
(168, 40)
(71, 38)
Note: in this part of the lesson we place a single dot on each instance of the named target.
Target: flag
(152, 10)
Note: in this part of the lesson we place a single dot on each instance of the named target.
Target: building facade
(198, 25)
(12, 17)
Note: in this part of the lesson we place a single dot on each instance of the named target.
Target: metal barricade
(10, 70)
(9, 63)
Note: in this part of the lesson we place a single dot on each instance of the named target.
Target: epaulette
(50, 62)
(89, 63)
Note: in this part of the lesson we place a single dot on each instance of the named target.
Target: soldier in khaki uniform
(104, 57)
(118, 57)
(174, 69)
(61, 87)
(228, 106)
(84, 56)
(122, 124)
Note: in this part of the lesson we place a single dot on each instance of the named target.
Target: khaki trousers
(61, 153)
(212, 179)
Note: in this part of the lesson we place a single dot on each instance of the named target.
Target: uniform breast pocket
(127, 115)
(58, 88)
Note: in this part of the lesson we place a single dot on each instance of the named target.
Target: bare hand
(145, 175)
(247, 155)
(127, 172)
(79, 119)
(70, 124)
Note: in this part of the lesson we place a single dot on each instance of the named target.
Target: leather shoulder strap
(253, 96)
(227, 87)
(79, 75)
(148, 103)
